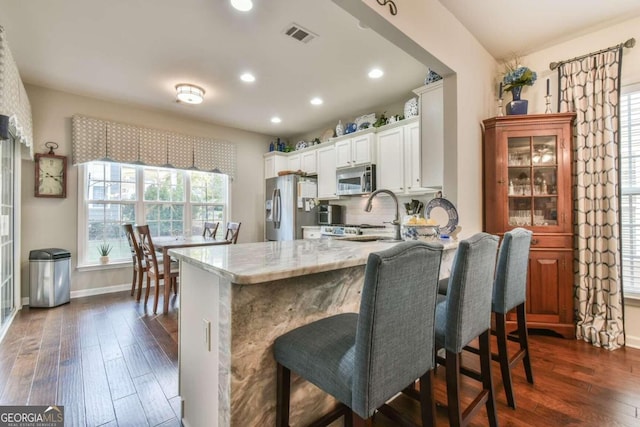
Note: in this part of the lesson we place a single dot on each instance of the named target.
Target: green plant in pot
(104, 250)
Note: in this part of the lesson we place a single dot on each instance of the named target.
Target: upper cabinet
(431, 103)
(308, 161)
(327, 172)
(398, 167)
(274, 162)
(355, 151)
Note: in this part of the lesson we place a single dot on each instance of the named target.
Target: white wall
(539, 62)
(53, 222)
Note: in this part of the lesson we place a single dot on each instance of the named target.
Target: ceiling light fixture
(376, 73)
(316, 101)
(242, 5)
(190, 94)
(248, 77)
(276, 120)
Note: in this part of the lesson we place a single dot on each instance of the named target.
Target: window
(114, 194)
(630, 189)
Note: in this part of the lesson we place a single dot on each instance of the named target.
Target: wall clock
(51, 173)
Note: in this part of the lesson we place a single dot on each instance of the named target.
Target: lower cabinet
(550, 291)
(311, 233)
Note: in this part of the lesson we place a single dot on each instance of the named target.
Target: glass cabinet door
(532, 187)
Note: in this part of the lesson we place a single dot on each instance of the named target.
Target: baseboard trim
(633, 342)
(93, 291)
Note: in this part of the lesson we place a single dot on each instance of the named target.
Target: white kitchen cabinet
(274, 162)
(293, 162)
(308, 161)
(327, 172)
(399, 159)
(432, 134)
(354, 151)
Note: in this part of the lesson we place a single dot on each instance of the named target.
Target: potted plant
(104, 249)
(515, 78)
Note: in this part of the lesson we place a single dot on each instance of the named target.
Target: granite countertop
(251, 263)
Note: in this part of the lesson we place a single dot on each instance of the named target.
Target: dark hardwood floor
(110, 362)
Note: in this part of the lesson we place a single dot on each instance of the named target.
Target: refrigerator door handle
(277, 208)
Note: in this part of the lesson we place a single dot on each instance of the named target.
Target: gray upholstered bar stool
(365, 359)
(464, 315)
(510, 292)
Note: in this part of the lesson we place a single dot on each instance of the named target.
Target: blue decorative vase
(517, 106)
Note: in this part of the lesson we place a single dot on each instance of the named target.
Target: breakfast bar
(237, 299)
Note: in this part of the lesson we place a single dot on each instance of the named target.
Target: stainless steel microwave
(356, 180)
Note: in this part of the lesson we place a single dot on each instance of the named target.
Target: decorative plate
(449, 209)
(411, 108)
(300, 145)
(350, 128)
(327, 135)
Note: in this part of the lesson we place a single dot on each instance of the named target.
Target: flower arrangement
(518, 76)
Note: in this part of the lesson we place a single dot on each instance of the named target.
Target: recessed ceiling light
(376, 73)
(190, 94)
(242, 5)
(275, 120)
(248, 77)
(316, 101)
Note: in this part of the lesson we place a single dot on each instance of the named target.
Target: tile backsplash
(384, 209)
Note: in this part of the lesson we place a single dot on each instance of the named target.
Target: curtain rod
(629, 44)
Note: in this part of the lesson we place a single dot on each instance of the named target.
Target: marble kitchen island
(235, 300)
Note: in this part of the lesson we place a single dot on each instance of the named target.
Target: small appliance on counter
(342, 230)
(330, 214)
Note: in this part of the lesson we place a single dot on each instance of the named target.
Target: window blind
(96, 139)
(630, 189)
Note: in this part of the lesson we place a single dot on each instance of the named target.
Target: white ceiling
(507, 27)
(136, 51)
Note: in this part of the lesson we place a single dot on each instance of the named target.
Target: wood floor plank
(175, 403)
(155, 404)
(97, 396)
(136, 362)
(70, 383)
(45, 380)
(164, 371)
(120, 382)
(129, 412)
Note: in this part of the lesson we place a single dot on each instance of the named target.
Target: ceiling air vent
(299, 33)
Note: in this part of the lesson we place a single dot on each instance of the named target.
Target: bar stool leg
(523, 337)
(503, 358)
(133, 282)
(282, 396)
(487, 380)
(427, 400)
(453, 389)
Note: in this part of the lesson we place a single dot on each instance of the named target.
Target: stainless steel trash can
(49, 277)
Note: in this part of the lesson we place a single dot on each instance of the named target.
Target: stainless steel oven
(356, 180)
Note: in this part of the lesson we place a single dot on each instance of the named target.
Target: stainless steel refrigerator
(290, 205)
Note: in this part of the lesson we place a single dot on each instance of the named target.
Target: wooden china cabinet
(527, 183)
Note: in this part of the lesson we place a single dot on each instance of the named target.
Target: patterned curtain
(14, 102)
(97, 139)
(591, 87)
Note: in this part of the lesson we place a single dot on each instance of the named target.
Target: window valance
(14, 102)
(97, 139)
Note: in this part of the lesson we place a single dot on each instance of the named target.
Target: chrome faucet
(395, 222)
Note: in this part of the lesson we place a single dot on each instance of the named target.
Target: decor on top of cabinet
(350, 128)
(365, 121)
(339, 128)
(326, 135)
(514, 79)
(382, 120)
(432, 77)
(411, 108)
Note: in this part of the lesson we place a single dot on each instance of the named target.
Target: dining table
(170, 242)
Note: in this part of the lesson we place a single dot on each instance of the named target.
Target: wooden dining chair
(139, 262)
(233, 229)
(210, 229)
(155, 269)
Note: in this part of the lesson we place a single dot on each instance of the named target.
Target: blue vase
(517, 106)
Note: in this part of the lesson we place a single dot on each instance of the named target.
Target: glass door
(533, 181)
(7, 304)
